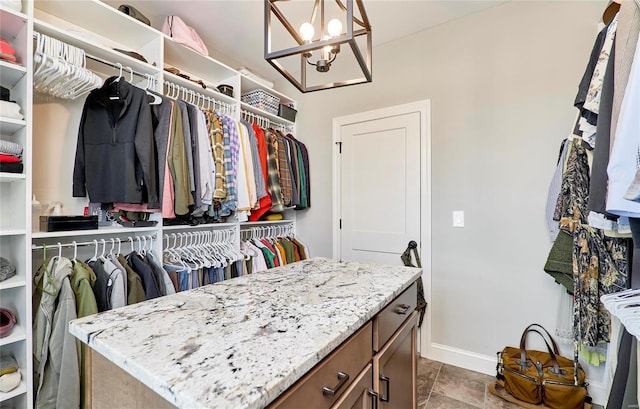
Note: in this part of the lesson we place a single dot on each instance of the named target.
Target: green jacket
(135, 289)
(83, 279)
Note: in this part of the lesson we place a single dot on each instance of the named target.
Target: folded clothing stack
(10, 375)
(11, 157)
(9, 108)
(7, 52)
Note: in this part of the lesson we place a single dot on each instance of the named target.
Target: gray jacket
(55, 351)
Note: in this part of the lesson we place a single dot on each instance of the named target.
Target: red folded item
(9, 158)
(6, 48)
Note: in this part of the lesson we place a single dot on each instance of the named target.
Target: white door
(380, 183)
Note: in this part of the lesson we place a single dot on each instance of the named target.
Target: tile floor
(442, 386)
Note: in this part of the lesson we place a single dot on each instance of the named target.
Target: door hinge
(339, 147)
(340, 224)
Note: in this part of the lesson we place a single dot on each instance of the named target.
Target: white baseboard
(465, 359)
(487, 365)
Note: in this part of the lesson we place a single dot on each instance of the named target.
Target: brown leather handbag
(531, 377)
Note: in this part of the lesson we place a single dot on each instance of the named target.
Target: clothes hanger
(610, 11)
(75, 250)
(95, 254)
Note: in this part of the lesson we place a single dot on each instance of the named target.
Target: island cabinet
(318, 333)
(374, 368)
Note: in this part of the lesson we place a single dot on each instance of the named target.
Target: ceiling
(235, 27)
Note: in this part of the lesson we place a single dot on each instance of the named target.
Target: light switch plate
(458, 218)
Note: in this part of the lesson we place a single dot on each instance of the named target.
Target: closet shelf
(210, 91)
(9, 126)
(11, 73)
(199, 226)
(262, 112)
(11, 22)
(12, 232)
(201, 66)
(11, 177)
(76, 39)
(265, 222)
(100, 231)
(20, 390)
(16, 335)
(13, 282)
(249, 84)
(97, 17)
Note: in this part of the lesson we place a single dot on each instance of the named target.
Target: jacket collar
(111, 88)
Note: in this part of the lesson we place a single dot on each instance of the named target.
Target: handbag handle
(553, 342)
(523, 352)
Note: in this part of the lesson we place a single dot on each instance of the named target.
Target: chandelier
(305, 56)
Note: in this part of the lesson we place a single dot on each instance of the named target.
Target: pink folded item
(8, 57)
(9, 158)
(7, 322)
(6, 48)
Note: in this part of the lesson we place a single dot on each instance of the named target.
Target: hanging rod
(98, 59)
(176, 88)
(86, 243)
(268, 121)
(126, 69)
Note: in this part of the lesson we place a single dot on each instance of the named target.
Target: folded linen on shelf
(11, 167)
(7, 52)
(10, 148)
(10, 110)
(9, 158)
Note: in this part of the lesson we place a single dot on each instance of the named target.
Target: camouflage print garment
(599, 268)
(599, 262)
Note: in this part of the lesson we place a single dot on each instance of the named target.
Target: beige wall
(501, 85)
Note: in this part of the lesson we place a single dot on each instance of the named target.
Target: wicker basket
(261, 99)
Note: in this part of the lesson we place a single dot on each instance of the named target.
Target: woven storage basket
(261, 99)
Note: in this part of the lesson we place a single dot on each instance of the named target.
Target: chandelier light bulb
(306, 31)
(334, 28)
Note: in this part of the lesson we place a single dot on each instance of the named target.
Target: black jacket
(116, 154)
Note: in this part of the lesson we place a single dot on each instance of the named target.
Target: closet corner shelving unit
(15, 198)
(97, 28)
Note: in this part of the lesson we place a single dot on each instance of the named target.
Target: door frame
(423, 107)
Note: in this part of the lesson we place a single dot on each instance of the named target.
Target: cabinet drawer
(393, 315)
(349, 358)
(360, 395)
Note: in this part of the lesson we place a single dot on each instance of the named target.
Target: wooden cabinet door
(394, 369)
(360, 395)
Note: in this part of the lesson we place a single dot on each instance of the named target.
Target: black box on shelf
(68, 223)
(287, 112)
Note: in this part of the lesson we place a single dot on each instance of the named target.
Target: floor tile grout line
(434, 385)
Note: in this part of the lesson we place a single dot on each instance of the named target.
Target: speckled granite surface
(241, 343)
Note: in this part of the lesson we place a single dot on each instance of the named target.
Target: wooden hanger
(610, 11)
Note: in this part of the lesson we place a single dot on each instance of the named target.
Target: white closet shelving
(49, 133)
(15, 200)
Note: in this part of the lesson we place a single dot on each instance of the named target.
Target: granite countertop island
(242, 342)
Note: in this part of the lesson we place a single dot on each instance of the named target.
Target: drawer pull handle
(387, 380)
(343, 377)
(374, 398)
(403, 309)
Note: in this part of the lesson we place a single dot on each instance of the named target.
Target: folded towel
(10, 381)
(10, 148)
(8, 57)
(9, 158)
(6, 48)
(10, 110)
(11, 167)
(8, 364)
